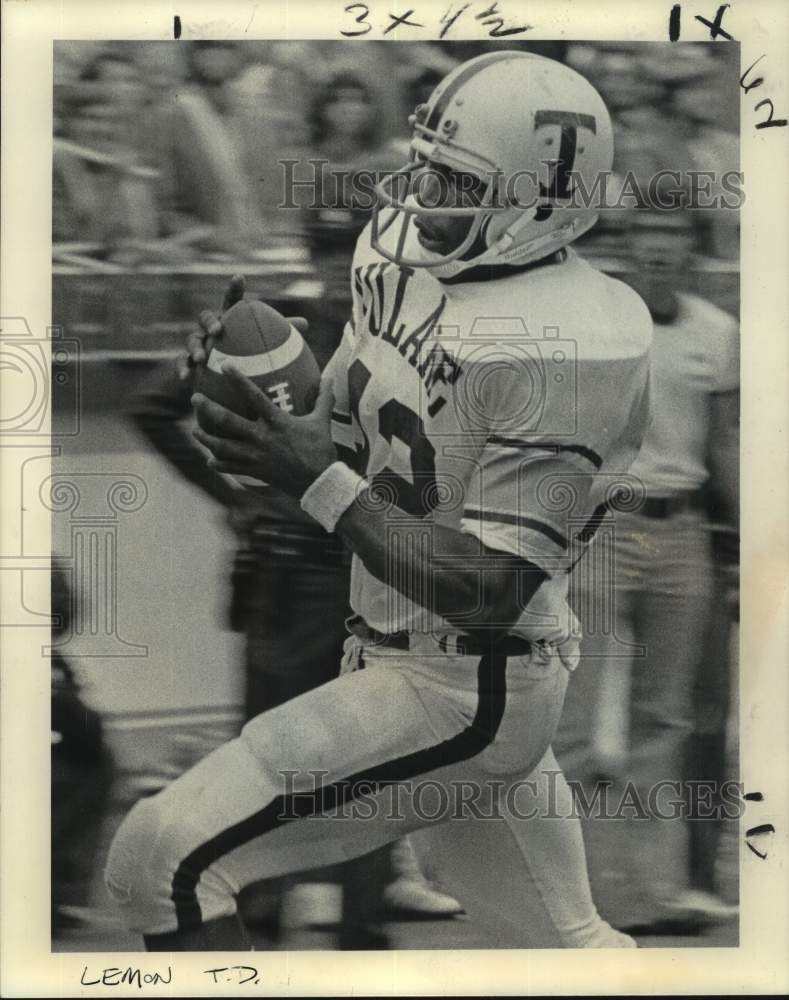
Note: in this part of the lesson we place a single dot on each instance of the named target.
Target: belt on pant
(451, 643)
(660, 508)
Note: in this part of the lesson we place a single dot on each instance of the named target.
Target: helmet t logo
(570, 122)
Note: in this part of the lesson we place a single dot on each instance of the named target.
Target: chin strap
(499, 253)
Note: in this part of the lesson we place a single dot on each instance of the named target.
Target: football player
(472, 430)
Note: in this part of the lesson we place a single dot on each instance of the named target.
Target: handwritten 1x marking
(675, 16)
(674, 28)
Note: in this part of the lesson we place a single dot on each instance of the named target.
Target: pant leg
(515, 856)
(671, 619)
(596, 707)
(230, 820)
(181, 857)
(706, 759)
(523, 876)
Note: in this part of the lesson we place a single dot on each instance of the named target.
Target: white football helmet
(524, 126)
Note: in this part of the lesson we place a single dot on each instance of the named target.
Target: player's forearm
(449, 573)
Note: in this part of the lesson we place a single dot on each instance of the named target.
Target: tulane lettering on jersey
(381, 303)
(508, 409)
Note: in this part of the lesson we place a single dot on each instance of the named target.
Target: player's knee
(129, 856)
(136, 873)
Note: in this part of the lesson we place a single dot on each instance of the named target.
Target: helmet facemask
(494, 222)
(434, 158)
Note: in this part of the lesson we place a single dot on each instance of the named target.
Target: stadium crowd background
(167, 179)
(169, 155)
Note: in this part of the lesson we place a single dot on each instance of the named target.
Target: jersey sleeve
(529, 488)
(522, 500)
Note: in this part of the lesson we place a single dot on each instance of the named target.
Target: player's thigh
(247, 811)
(386, 751)
(308, 756)
(352, 723)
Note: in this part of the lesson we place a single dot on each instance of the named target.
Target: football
(273, 354)
(270, 351)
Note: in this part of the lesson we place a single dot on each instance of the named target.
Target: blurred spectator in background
(696, 106)
(629, 711)
(419, 82)
(82, 773)
(645, 140)
(103, 191)
(215, 119)
(115, 72)
(204, 130)
(272, 94)
(345, 131)
(634, 81)
(667, 108)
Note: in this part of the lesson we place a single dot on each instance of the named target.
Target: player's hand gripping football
(201, 340)
(286, 451)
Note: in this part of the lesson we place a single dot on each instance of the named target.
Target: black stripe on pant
(471, 741)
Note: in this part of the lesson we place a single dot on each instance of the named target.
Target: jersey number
(396, 421)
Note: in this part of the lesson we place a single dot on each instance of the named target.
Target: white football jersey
(509, 409)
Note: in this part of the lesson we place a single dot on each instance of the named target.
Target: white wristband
(332, 494)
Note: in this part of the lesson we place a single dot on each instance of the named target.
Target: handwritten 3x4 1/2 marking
(490, 17)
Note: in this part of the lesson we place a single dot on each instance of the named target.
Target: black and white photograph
(387, 436)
